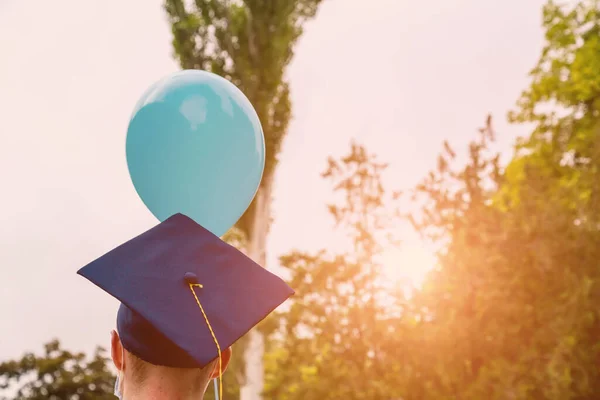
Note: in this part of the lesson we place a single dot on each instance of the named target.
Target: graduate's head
(186, 296)
(142, 379)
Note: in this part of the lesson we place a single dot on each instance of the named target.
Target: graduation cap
(185, 294)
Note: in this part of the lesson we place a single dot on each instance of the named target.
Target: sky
(398, 76)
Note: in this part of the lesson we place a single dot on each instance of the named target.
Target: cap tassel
(220, 379)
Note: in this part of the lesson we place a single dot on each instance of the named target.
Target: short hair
(138, 368)
(139, 371)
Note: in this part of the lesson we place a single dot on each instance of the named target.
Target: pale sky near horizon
(399, 76)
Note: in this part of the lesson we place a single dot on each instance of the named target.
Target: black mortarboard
(159, 319)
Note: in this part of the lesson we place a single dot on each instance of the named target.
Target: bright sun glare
(408, 265)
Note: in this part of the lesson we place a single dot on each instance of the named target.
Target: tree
(510, 312)
(560, 162)
(563, 105)
(515, 297)
(58, 374)
(250, 43)
(336, 340)
(457, 214)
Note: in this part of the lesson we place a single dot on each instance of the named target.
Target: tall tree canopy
(249, 42)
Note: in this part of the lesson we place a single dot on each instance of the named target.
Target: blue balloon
(195, 146)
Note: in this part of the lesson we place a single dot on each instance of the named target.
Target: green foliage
(334, 338)
(511, 312)
(563, 100)
(58, 374)
(512, 309)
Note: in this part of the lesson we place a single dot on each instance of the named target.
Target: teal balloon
(195, 146)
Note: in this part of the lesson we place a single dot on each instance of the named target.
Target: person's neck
(158, 389)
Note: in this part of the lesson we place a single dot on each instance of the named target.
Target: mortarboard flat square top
(159, 319)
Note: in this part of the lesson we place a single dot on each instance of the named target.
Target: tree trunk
(256, 249)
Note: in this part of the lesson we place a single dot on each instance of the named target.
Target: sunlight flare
(408, 264)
